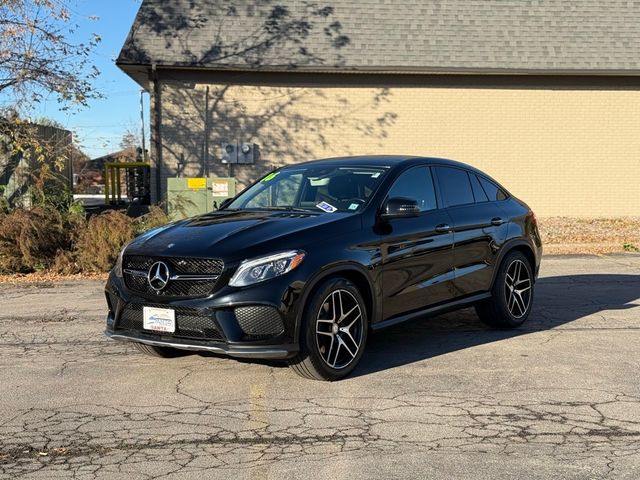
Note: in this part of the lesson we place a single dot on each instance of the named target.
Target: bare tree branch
(38, 58)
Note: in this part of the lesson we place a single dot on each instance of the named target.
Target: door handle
(497, 221)
(443, 228)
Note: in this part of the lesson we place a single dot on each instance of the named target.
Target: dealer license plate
(159, 319)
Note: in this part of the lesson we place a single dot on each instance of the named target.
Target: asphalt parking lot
(440, 398)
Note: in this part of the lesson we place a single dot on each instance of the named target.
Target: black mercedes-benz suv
(306, 262)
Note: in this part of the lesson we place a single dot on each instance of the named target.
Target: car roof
(385, 161)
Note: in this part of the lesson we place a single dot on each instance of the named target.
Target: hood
(241, 234)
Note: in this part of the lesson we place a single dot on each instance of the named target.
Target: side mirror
(225, 203)
(400, 207)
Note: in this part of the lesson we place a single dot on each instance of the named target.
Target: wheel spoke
(348, 327)
(512, 301)
(517, 303)
(342, 342)
(335, 360)
(521, 303)
(330, 348)
(355, 344)
(348, 313)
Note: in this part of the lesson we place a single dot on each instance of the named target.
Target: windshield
(333, 189)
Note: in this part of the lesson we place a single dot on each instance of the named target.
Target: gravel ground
(566, 235)
(440, 398)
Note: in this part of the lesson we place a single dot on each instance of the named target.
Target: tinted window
(288, 189)
(492, 190)
(478, 192)
(455, 186)
(416, 183)
(278, 194)
(344, 189)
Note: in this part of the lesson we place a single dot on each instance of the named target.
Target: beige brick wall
(565, 152)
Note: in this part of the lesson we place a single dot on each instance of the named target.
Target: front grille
(175, 288)
(259, 321)
(190, 323)
(184, 265)
(177, 266)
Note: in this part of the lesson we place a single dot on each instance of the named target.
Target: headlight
(117, 268)
(264, 268)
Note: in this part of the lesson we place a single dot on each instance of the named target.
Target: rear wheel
(152, 350)
(334, 332)
(512, 294)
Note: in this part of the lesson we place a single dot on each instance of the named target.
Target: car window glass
(262, 199)
(287, 190)
(343, 188)
(493, 191)
(478, 192)
(416, 183)
(455, 186)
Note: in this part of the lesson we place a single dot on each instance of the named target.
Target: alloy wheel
(517, 288)
(339, 328)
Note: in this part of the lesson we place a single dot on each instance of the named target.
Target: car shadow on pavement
(558, 301)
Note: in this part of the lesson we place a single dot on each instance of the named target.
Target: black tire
(162, 352)
(505, 308)
(343, 353)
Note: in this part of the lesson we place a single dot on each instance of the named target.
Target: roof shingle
(595, 36)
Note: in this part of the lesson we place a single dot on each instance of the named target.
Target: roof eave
(133, 69)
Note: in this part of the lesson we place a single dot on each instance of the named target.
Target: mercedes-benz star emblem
(158, 276)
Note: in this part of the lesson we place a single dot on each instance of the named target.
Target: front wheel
(334, 332)
(512, 294)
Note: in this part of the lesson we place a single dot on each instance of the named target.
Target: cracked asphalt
(439, 398)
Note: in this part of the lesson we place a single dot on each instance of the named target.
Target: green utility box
(188, 197)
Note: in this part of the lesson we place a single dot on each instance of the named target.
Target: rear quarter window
(494, 192)
(478, 191)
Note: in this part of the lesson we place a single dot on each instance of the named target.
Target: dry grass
(43, 239)
(31, 239)
(45, 279)
(101, 239)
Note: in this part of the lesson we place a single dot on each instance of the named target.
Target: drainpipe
(156, 129)
(205, 147)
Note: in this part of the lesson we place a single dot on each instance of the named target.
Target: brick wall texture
(565, 152)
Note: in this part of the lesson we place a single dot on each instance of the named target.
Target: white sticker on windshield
(375, 175)
(326, 207)
(354, 206)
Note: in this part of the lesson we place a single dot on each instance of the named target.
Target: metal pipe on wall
(205, 146)
(144, 143)
(156, 127)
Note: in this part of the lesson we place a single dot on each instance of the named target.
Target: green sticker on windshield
(271, 176)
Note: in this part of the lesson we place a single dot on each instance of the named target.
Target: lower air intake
(259, 321)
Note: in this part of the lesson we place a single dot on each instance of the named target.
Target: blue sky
(99, 128)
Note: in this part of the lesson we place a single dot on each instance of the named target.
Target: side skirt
(431, 311)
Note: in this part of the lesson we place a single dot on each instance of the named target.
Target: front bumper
(229, 333)
(237, 351)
